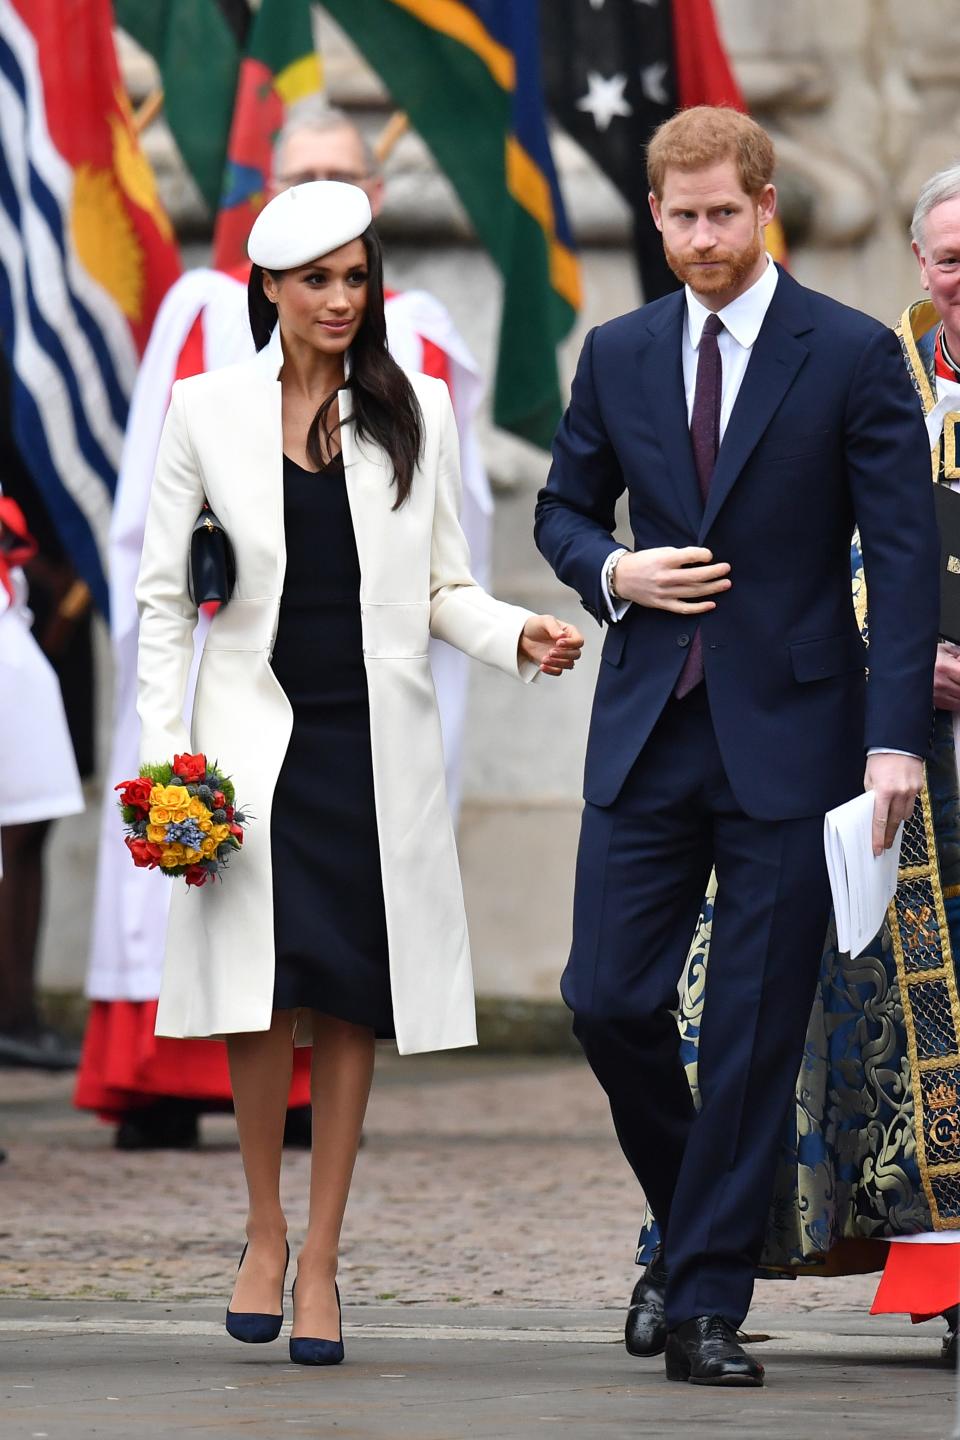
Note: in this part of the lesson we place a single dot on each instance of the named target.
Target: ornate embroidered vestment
(923, 946)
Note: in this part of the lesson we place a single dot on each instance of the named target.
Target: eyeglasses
(304, 177)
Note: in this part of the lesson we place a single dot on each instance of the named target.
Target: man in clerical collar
(936, 244)
(924, 1278)
(929, 331)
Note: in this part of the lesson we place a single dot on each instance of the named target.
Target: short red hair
(705, 135)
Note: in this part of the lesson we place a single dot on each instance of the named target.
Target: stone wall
(861, 96)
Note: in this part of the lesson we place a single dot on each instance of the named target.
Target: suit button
(683, 640)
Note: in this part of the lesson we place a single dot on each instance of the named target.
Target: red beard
(727, 268)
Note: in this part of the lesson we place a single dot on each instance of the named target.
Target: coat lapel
(368, 496)
(777, 357)
(262, 444)
(662, 367)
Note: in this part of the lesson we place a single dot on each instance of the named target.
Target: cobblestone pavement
(486, 1262)
(493, 1182)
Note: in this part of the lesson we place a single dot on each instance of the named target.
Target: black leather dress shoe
(646, 1328)
(167, 1124)
(298, 1128)
(705, 1351)
(38, 1048)
(952, 1317)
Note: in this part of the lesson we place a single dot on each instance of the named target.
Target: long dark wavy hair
(385, 408)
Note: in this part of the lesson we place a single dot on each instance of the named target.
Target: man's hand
(658, 579)
(895, 781)
(946, 678)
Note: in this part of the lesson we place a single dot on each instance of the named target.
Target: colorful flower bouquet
(181, 818)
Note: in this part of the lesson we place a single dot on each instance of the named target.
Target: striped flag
(86, 255)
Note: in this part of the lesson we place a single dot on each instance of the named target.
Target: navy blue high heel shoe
(251, 1327)
(306, 1351)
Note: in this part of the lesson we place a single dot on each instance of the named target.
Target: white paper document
(863, 884)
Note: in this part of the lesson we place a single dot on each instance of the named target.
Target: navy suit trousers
(642, 870)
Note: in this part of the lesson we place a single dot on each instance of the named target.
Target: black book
(947, 503)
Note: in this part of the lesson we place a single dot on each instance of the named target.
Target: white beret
(307, 221)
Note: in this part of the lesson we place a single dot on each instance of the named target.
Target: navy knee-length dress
(329, 925)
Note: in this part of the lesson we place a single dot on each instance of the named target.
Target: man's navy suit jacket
(826, 433)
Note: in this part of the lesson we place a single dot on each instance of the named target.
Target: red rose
(145, 855)
(237, 833)
(190, 768)
(196, 875)
(230, 812)
(219, 800)
(136, 793)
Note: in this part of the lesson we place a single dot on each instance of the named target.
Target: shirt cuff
(616, 608)
(880, 750)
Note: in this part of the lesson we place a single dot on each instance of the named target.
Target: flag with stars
(615, 70)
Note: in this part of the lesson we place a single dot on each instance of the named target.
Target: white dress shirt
(742, 320)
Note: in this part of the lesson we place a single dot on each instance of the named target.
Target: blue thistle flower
(185, 832)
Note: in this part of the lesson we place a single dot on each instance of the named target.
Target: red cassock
(919, 1280)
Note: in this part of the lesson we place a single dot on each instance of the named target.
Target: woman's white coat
(223, 441)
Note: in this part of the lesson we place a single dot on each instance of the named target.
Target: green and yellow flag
(467, 72)
(198, 46)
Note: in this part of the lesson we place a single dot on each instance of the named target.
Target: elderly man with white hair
(922, 1275)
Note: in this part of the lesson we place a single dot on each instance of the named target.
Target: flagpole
(147, 112)
(396, 127)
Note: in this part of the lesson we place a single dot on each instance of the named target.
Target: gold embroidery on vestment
(950, 469)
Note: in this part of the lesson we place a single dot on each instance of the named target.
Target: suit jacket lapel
(662, 369)
(774, 363)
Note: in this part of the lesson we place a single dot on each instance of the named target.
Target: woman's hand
(551, 644)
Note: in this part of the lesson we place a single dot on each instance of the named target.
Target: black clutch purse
(212, 570)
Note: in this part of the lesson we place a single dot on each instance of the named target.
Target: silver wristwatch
(612, 562)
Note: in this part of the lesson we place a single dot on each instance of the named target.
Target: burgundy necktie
(705, 438)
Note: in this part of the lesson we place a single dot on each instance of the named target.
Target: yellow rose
(159, 815)
(190, 857)
(174, 797)
(219, 833)
(208, 849)
(156, 834)
(199, 813)
(172, 857)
